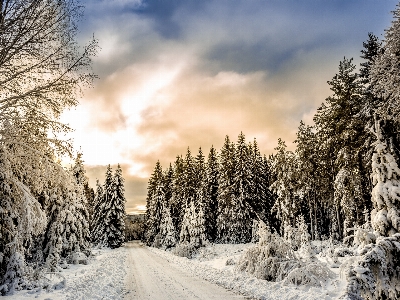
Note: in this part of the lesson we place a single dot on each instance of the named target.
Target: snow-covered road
(152, 277)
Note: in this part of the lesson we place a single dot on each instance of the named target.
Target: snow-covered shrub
(314, 273)
(271, 259)
(342, 251)
(375, 274)
(363, 237)
(185, 249)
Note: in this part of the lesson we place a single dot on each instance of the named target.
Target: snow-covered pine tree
(102, 223)
(189, 184)
(261, 199)
(168, 184)
(197, 229)
(167, 229)
(384, 71)
(79, 172)
(12, 253)
(308, 179)
(338, 125)
(212, 190)
(67, 233)
(155, 198)
(177, 202)
(115, 212)
(98, 214)
(241, 220)
(375, 273)
(203, 198)
(348, 189)
(225, 191)
(385, 217)
(186, 226)
(283, 165)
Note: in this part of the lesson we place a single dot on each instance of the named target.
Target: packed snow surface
(153, 276)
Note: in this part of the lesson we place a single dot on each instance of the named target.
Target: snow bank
(102, 278)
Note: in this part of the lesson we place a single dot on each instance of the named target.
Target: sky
(175, 74)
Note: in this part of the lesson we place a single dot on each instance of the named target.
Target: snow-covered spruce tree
(375, 273)
(384, 71)
(203, 200)
(189, 184)
(225, 191)
(67, 234)
(212, 190)
(261, 200)
(348, 189)
(385, 217)
(21, 219)
(339, 125)
(308, 179)
(78, 171)
(186, 227)
(168, 184)
(197, 233)
(167, 229)
(283, 165)
(193, 231)
(110, 210)
(177, 202)
(155, 199)
(98, 208)
(115, 211)
(241, 221)
(103, 206)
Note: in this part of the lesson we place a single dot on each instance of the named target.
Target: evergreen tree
(212, 191)
(197, 229)
(339, 126)
(283, 165)
(98, 225)
(115, 214)
(241, 221)
(348, 190)
(177, 202)
(186, 227)
(167, 229)
(225, 191)
(78, 171)
(110, 210)
(309, 178)
(189, 184)
(261, 198)
(386, 192)
(168, 184)
(384, 71)
(203, 198)
(155, 198)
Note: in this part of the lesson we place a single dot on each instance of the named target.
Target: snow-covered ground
(216, 263)
(102, 278)
(139, 272)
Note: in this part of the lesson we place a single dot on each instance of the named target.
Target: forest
(341, 184)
